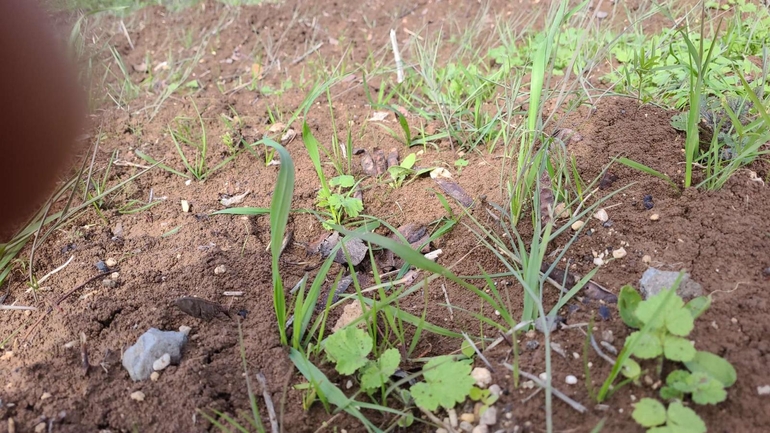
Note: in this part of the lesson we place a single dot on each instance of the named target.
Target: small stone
(185, 330)
(543, 376)
(114, 276)
(646, 259)
(452, 418)
(11, 425)
(607, 336)
(481, 428)
(654, 280)
(571, 380)
(153, 344)
(45, 396)
(654, 217)
(610, 348)
(532, 345)
(154, 376)
(556, 347)
(489, 417)
(495, 389)
(601, 215)
(110, 262)
(137, 395)
(467, 417)
(349, 384)
(109, 283)
(766, 271)
(575, 355)
(102, 267)
(466, 426)
(561, 211)
(219, 270)
(619, 253)
(577, 225)
(482, 376)
(7, 355)
(528, 384)
(734, 321)
(763, 390)
(40, 428)
(185, 206)
(598, 261)
(162, 362)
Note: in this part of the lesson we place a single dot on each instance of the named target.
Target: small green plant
(651, 414)
(339, 199)
(460, 164)
(664, 321)
(349, 349)
(399, 173)
(447, 382)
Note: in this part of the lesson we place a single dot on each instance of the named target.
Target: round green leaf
(348, 348)
(679, 322)
(647, 345)
(649, 413)
(684, 420)
(631, 369)
(678, 348)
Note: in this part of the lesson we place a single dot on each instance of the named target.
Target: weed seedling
(399, 173)
(664, 321)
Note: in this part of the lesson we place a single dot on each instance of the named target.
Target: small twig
(59, 301)
(478, 352)
(268, 402)
(437, 421)
(48, 275)
(448, 304)
(125, 33)
(504, 337)
(121, 163)
(309, 52)
(17, 307)
(575, 405)
(599, 351)
(84, 352)
(397, 57)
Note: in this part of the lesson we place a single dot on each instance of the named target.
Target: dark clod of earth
(647, 201)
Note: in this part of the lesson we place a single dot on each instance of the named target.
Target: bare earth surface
(722, 238)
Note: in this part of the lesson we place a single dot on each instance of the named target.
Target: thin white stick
(397, 56)
(45, 277)
(274, 428)
(17, 307)
(448, 304)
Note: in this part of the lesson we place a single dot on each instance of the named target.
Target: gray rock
(153, 344)
(654, 280)
(489, 417)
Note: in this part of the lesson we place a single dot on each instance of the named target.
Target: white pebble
(543, 376)
(601, 215)
(482, 376)
(571, 380)
(114, 276)
(654, 217)
(495, 389)
(646, 259)
(763, 390)
(481, 428)
(185, 206)
(466, 426)
(219, 270)
(162, 362)
(185, 330)
(137, 395)
(619, 253)
(452, 418)
(154, 376)
(110, 262)
(577, 225)
(598, 261)
(45, 396)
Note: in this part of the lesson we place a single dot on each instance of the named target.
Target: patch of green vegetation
(664, 321)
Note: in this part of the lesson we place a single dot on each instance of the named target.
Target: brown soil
(722, 238)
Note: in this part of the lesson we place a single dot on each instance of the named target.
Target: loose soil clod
(201, 308)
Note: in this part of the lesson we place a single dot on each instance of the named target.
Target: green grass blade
(280, 206)
(644, 169)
